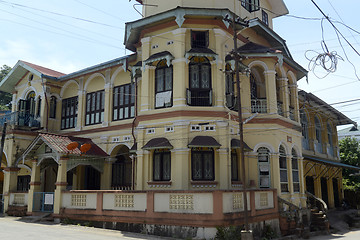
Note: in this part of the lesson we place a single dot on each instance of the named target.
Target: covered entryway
(55, 165)
(310, 187)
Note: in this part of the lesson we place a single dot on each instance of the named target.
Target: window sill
(236, 184)
(204, 184)
(159, 184)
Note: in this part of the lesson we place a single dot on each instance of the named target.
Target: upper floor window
(52, 112)
(163, 85)
(264, 167)
(283, 170)
(199, 39)
(162, 165)
(200, 93)
(124, 102)
(69, 112)
(317, 129)
(304, 124)
(265, 17)
(38, 110)
(94, 113)
(251, 5)
(202, 164)
(330, 134)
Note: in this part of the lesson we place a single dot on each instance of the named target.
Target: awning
(160, 56)
(201, 52)
(157, 143)
(235, 143)
(204, 141)
(332, 163)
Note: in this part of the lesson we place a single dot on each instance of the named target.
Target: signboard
(49, 199)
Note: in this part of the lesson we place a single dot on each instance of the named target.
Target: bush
(228, 233)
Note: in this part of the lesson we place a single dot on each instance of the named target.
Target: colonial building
(152, 138)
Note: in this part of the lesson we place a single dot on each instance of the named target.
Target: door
(92, 178)
(336, 192)
(324, 190)
(310, 185)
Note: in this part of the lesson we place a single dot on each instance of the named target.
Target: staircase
(318, 219)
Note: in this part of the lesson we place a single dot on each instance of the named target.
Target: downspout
(47, 104)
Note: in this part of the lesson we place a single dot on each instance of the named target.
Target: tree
(350, 154)
(5, 98)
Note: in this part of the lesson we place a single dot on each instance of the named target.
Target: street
(12, 228)
(353, 235)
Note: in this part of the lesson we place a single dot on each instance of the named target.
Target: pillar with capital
(107, 174)
(34, 184)
(10, 184)
(61, 183)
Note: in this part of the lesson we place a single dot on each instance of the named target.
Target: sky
(70, 35)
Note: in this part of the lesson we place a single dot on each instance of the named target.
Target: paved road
(353, 235)
(13, 229)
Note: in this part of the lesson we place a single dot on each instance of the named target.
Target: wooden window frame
(164, 89)
(161, 153)
(127, 100)
(70, 116)
(202, 152)
(94, 107)
(52, 110)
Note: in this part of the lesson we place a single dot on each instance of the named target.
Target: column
(283, 84)
(271, 91)
(107, 174)
(223, 162)
(180, 71)
(302, 181)
(10, 184)
(34, 184)
(275, 172)
(81, 106)
(140, 170)
(146, 76)
(61, 183)
(295, 99)
(108, 89)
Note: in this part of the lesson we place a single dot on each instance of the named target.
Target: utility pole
(234, 21)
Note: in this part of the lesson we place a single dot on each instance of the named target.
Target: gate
(43, 202)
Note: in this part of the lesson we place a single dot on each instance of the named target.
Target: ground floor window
(162, 165)
(23, 183)
(121, 173)
(295, 171)
(234, 166)
(264, 167)
(202, 164)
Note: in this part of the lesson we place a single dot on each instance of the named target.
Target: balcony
(318, 147)
(258, 105)
(330, 150)
(305, 143)
(199, 97)
(20, 119)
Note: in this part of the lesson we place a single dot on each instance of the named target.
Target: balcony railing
(199, 97)
(20, 119)
(330, 151)
(258, 106)
(279, 107)
(318, 147)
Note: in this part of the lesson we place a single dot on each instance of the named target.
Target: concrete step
(37, 218)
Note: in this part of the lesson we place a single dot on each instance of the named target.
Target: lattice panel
(238, 201)
(19, 199)
(124, 200)
(78, 200)
(181, 202)
(264, 201)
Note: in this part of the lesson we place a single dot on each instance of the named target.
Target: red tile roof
(60, 143)
(43, 70)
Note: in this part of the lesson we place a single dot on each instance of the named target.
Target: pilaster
(61, 183)
(10, 184)
(34, 184)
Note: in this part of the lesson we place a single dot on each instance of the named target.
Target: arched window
(304, 130)
(202, 164)
(258, 95)
(200, 92)
(163, 85)
(52, 112)
(264, 167)
(162, 165)
(330, 134)
(26, 110)
(229, 87)
(318, 145)
(283, 170)
(38, 110)
(295, 171)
